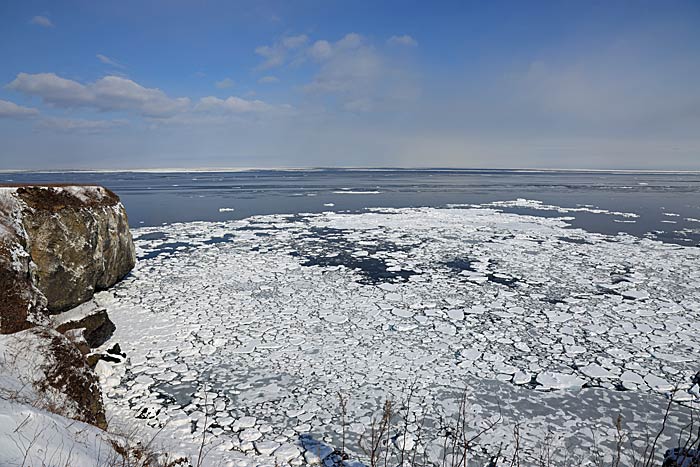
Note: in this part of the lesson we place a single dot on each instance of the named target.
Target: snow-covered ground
(33, 436)
(31, 432)
(262, 322)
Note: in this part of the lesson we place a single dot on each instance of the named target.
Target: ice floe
(356, 192)
(263, 328)
(539, 205)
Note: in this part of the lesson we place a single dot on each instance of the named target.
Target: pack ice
(250, 329)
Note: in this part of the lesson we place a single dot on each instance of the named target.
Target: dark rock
(57, 246)
(92, 319)
(71, 376)
(113, 355)
(20, 298)
(110, 358)
(116, 350)
(21, 303)
(79, 239)
(92, 359)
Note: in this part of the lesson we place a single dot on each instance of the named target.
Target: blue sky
(146, 84)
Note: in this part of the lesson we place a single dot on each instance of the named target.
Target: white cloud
(294, 42)
(11, 110)
(80, 125)
(404, 40)
(350, 41)
(52, 89)
(321, 50)
(359, 76)
(348, 66)
(268, 79)
(41, 21)
(111, 93)
(275, 55)
(346, 73)
(232, 104)
(225, 83)
(109, 61)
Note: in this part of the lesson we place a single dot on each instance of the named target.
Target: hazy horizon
(344, 168)
(268, 84)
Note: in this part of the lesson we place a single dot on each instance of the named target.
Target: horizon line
(347, 168)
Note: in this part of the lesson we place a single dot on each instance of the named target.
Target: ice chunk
(550, 380)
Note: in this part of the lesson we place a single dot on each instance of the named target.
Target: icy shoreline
(271, 316)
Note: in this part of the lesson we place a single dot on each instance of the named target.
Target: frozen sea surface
(666, 205)
(261, 322)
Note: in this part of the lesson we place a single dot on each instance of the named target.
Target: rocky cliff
(58, 244)
(79, 239)
(21, 302)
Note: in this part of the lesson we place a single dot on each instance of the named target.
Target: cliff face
(79, 239)
(21, 302)
(57, 246)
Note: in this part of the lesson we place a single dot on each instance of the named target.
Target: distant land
(350, 168)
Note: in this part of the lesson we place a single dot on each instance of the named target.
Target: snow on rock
(92, 321)
(58, 244)
(43, 367)
(22, 303)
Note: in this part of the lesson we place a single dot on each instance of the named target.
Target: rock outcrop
(90, 320)
(79, 239)
(21, 301)
(44, 368)
(58, 244)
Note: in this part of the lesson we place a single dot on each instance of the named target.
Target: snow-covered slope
(33, 436)
(58, 244)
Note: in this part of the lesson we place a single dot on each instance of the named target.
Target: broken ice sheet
(299, 307)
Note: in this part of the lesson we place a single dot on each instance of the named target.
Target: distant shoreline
(348, 169)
